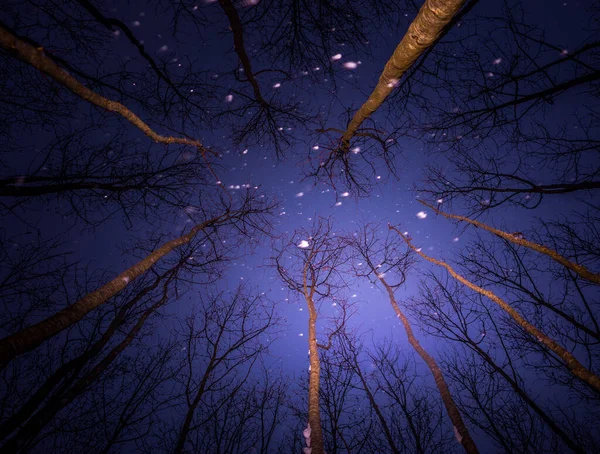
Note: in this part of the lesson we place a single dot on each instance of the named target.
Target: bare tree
(74, 377)
(486, 339)
(310, 265)
(574, 365)
(224, 340)
(94, 178)
(423, 32)
(382, 257)
(525, 103)
(416, 418)
(29, 338)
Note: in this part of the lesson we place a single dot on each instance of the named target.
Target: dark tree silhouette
(223, 342)
(105, 138)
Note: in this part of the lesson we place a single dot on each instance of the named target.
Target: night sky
(498, 122)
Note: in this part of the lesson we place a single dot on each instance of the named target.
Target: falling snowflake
(300, 194)
(455, 239)
(303, 244)
(497, 61)
(277, 85)
(355, 150)
(337, 204)
(421, 215)
(306, 432)
(350, 65)
(163, 48)
(440, 200)
(457, 435)
(228, 98)
(345, 194)
(301, 335)
(336, 57)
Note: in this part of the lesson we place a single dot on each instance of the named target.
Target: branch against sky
(378, 254)
(446, 310)
(578, 369)
(503, 135)
(39, 60)
(519, 239)
(84, 174)
(36, 423)
(29, 338)
(225, 338)
(433, 17)
(311, 265)
(430, 23)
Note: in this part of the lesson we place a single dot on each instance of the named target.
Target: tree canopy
(299, 226)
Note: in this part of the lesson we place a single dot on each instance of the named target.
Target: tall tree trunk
(461, 431)
(576, 368)
(31, 337)
(37, 58)
(430, 22)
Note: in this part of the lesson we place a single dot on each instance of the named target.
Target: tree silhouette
(142, 147)
(310, 264)
(381, 257)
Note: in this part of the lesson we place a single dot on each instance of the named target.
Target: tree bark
(430, 22)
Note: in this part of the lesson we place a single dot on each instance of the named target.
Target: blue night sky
(193, 45)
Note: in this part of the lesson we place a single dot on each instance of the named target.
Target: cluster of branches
(80, 358)
(496, 310)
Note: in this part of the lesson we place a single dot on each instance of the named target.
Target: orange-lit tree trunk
(30, 337)
(431, 20)
(315, 273)
(576, 368)
(37, 58)
(56, 403)
(368, 245)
